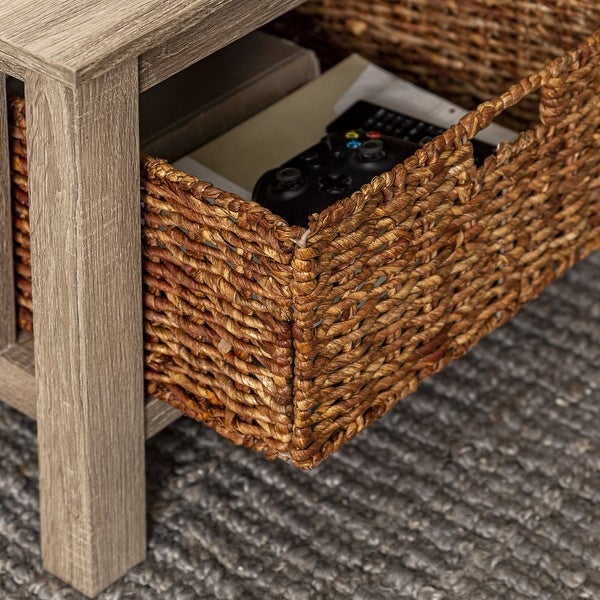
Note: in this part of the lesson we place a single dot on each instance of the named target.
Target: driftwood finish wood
(17, 378)
(86, 271)
(84, 38)
(7, 290)
(17, 388)
(212, 32)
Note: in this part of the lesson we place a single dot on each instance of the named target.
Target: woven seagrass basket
(291, 340)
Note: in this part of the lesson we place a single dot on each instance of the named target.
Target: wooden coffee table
(84, 64)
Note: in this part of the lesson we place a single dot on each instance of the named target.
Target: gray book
(215, 94)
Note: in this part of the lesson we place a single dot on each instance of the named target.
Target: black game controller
(332, 169)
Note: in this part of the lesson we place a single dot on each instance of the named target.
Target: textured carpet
(483, 484)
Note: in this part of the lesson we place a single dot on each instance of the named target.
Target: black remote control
(366, 115)
(332, 169)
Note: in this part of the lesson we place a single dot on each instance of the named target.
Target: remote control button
(352, 135)
(373, 134)
(353, 144)
(414, 132)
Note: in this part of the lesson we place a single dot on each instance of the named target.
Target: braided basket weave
(292, 340)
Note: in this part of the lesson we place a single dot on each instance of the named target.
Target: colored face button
(352, 135)
(373, 134)
(353, 144)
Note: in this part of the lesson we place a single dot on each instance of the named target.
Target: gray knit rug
(483, 484)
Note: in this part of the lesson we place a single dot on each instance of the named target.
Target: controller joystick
(372, 149)
(288, 184)
(289, 178)
(332, 169)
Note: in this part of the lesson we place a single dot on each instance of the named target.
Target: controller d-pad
(335, 183)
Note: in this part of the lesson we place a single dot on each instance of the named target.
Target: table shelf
(17, 387)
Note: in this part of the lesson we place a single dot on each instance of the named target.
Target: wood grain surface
(76, 40)
(17, 388)
(17, 376)
(86, 271)
(159, 415)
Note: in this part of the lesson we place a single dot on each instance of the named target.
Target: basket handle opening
(557, 84)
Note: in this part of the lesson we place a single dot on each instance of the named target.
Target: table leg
(83, 153)
(8, 325)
